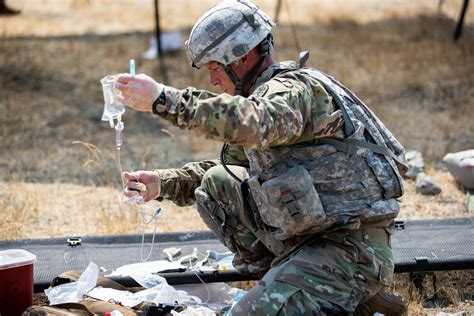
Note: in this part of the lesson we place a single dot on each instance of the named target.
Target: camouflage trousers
(328, 275)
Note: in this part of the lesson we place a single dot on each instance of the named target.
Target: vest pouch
(288, 203)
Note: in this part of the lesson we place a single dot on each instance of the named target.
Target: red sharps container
(16, 281)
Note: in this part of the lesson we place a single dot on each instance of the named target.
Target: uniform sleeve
(178, 185)
(282, 112)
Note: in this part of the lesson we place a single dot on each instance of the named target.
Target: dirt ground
(58, 173)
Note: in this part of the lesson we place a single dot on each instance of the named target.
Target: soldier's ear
(251, 58)
(244, 60)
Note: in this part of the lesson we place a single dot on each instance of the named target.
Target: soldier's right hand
(138, 92)
(146, 184)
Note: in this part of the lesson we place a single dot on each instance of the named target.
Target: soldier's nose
(214, 79)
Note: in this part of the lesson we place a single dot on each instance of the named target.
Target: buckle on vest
(288, 199)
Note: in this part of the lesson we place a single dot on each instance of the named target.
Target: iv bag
(113, 108)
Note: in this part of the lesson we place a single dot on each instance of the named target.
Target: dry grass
(39, 210)
(455, 293)
(58, 172)
(52, 17)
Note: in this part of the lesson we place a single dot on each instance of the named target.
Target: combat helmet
(226, 33)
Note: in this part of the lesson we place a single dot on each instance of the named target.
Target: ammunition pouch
(288, 204)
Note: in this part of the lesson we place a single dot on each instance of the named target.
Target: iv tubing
(137, 200)
(195, 271)
(118, 142)
(143, 236)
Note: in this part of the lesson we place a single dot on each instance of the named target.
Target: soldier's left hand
(147, 184)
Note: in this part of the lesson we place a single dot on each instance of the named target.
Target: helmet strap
(234, 78)
(239, 83)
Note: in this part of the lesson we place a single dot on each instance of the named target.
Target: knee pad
(216, 218)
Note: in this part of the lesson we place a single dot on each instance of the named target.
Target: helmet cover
(227, 32)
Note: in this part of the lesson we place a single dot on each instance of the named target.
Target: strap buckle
(288, 199)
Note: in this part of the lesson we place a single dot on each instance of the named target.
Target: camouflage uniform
(328, 273)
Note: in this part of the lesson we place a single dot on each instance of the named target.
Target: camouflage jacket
(279, 111)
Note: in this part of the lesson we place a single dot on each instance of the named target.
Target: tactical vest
(308, 187)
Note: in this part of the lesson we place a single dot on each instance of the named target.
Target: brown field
(58, 175)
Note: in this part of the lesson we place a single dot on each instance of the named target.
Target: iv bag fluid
(113, 108)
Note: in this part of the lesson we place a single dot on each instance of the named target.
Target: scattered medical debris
(95, 292)
(172, 253)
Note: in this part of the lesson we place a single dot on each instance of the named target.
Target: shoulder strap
(341, 99)
(352, 146)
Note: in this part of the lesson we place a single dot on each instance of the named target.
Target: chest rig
(306, 188)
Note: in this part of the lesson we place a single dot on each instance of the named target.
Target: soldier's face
(218, 77)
